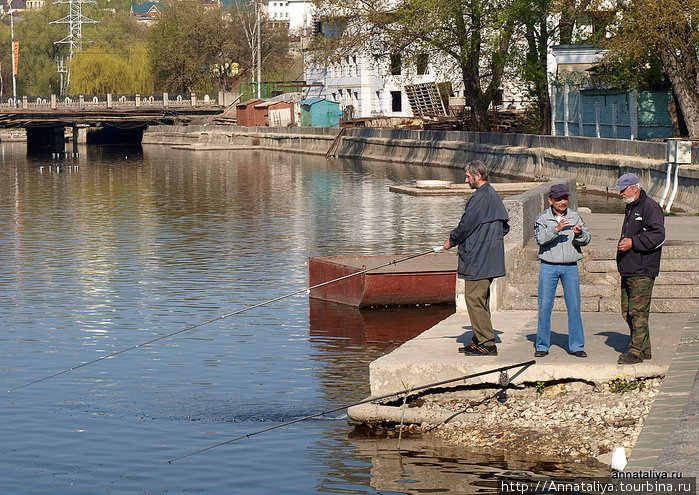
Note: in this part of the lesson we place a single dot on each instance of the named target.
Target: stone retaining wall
(594, 163)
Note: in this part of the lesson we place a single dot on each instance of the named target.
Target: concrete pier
(668, 440)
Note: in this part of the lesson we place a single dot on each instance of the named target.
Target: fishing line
(222, 317)
(412, 390)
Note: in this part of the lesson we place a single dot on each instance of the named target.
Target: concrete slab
(433, 356)
(505, 189)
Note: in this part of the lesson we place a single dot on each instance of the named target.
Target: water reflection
(372, 326)
(427, 465)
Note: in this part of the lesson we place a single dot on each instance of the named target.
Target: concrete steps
(676, 288)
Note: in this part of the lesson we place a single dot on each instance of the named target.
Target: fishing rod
(501, 394)
(224, 316)
(524, 366)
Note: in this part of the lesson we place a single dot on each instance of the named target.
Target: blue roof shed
(319, 112)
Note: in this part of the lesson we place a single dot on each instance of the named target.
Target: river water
(126, 244)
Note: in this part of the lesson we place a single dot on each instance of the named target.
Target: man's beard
(628, 200)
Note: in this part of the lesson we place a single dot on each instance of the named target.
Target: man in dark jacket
(479, 236)
(638, 261)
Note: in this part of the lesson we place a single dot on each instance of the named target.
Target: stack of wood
(505, 121)
(228, 117)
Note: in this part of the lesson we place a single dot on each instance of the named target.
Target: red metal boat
(429, 279)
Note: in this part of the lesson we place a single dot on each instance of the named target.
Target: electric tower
(75, 20)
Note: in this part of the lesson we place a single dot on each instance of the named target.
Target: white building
(372, 85)
(298, 14)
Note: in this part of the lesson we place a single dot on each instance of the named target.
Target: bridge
(46, 118)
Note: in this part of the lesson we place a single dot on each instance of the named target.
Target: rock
(578, 420)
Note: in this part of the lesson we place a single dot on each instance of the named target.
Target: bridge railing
(160, 100)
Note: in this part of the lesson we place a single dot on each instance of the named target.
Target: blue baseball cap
(558, 191)
(625, 181)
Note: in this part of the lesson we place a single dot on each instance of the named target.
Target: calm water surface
(137, 243)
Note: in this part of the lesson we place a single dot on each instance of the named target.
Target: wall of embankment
(594, 163)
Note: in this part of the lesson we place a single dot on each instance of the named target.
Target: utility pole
(14, 59)
(75, 20)
(258, 25)
(62, 71)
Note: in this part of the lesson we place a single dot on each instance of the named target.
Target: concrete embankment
(594, 163)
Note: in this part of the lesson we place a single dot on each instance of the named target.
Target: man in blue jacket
(479, 236)
(638, 261)
(560, 233)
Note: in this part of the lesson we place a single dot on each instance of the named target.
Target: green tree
(37, 70)
(546, 23)
(199, 49)
(181, 45)
(471, 37)
(116, 60)
(279, 63)
(668, 32)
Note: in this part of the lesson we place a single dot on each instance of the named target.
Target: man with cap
(638, 261)
(560, 233)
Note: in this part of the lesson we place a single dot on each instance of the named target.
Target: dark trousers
(636, 294)
(477, 295)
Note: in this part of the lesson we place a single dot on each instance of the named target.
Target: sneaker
(480, 350)
(628, 358)
(580, 354)
(541, 353)
(472, 345)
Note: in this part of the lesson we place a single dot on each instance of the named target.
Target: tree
(37, 70)
(278, 62)
(116, 61)
(471, 37)
(181, 45)
(669, 32)
(194, 48)
(546, 23)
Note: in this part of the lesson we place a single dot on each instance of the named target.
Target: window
(396, 101)
(395, 64)
(421, 64)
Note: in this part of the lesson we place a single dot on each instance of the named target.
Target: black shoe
(646, 355)
(541, 353)
(628, 358)
(480, 350)
(472, 345)
(580, 354)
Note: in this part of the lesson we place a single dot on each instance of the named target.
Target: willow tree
(116, 59)
(668, 31)
(471, 38)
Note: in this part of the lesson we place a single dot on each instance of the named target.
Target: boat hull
(429, 279)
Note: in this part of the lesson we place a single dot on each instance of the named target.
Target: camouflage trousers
(635, 306)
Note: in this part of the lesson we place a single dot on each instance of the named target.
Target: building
(147, 12)
(367, 86)
(319, 112)
(297, 14)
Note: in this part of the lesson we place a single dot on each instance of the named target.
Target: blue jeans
(549, 274)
